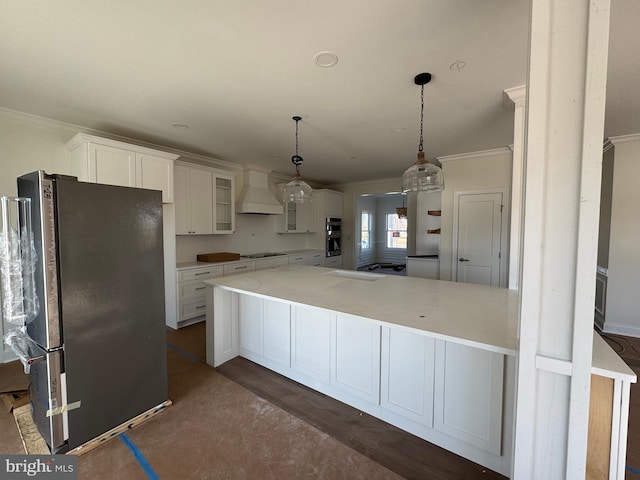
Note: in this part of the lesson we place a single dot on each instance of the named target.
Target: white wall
(623, 302)
(471, 171)
(28, 144)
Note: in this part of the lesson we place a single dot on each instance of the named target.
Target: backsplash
(254, 234)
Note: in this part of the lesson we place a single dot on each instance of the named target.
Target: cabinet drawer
(333, 262)
(193, 290)
(239, 268)
(192, 309)
(271, 262)
(297, 259)
(200, 273)
(316, 259)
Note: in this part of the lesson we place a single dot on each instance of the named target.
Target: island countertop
(474, 315)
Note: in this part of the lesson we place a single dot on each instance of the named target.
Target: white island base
(457, 394)
(434, 358)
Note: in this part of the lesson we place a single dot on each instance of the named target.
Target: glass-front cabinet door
(224, 204)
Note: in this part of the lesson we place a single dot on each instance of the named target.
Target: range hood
(255, 196)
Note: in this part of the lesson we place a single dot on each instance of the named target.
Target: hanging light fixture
(297, 190)
(422, 176)
(402, 211)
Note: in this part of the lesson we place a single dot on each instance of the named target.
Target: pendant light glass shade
(422, 176)
(297, 190)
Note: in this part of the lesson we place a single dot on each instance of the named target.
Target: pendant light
(402, 211)
(297, 190)
(422, 176)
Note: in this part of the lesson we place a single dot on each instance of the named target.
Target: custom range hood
(255, 196)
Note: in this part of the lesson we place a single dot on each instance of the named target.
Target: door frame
(504, 230)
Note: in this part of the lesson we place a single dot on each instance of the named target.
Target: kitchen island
(409, 351)
(435, 358)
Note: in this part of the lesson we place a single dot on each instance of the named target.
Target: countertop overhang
(474, 315)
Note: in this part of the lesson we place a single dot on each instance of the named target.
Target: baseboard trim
(617, 329)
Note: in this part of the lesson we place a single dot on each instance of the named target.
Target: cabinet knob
(463, 259)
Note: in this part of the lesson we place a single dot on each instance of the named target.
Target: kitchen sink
(262, 255)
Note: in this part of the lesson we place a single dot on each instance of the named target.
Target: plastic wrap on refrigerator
(17, 265)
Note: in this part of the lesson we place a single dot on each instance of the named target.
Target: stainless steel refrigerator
(99, 331)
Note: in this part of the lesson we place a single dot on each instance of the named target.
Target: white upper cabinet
(205, 201)
(225, 210)
(100, 160)
(332, 204)
(328, 204)
(298, 218)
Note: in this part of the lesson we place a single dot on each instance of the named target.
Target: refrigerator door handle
(19, 343)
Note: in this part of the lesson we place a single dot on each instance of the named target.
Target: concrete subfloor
(218, 429)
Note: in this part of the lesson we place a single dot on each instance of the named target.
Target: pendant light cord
(297, 159)
(421, 116)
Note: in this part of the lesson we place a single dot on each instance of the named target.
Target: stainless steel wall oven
(333, 241)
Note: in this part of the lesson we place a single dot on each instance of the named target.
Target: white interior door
(480, 238)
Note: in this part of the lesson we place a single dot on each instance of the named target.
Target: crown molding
(634, 137)
(50, 124)
(472, 155)
(514, 95)
(607, 146)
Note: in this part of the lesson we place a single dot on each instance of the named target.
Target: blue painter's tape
(633, 470)
(183, 353)
(151, 474)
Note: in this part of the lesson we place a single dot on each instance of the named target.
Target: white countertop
(607, 363)
(475, 315)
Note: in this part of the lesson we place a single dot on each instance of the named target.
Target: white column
(563, 155)
(517, 96)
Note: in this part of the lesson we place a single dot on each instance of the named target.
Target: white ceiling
(237, 71)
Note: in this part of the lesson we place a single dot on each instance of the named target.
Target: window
(365, 231)
(396, 231)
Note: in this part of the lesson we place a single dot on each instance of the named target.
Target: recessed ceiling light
(325, 59)
(457, 65)
(398, 129)
(180, 126)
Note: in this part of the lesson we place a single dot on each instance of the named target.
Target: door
(481, 235)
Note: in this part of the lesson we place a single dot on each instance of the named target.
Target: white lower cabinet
(316, 259)
(277, 332)
(251, 325)
(407, 376)
(271, 262)
(264, 330)
(333, 262)
(469, 390)
(298, 258)
(191, 293)
(239, 267)
(311, 342)
(355, 357)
